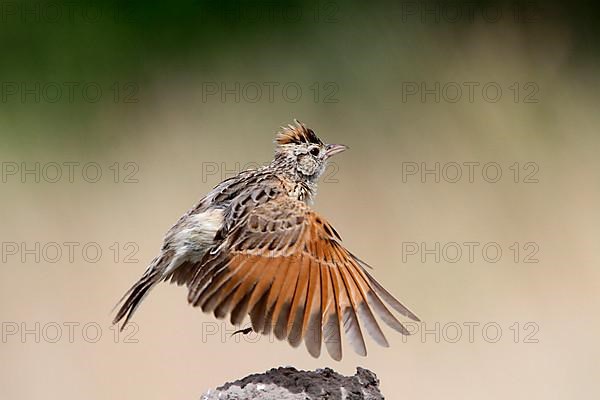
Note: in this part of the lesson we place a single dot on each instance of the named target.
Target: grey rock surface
(290, 384)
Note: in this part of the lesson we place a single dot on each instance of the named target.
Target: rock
(290, 384)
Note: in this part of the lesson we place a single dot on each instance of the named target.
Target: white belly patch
(195, 238)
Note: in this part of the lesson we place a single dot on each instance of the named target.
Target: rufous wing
(284, 265)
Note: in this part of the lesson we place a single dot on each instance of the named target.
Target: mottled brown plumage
(253, 246)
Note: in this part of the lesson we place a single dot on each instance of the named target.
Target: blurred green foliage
(125, 42)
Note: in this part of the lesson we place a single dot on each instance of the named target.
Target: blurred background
(471, 185)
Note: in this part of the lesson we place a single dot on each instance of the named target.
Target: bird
(253, 246)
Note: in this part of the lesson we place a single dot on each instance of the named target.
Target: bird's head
(300, 150)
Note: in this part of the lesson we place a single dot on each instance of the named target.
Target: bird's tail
(134, 296)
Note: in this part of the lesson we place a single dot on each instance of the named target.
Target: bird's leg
(244, 331)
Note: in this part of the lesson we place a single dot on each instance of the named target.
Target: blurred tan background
(164, 135)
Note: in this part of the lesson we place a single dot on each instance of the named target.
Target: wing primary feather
(385, 314)
(331, 319)
(258, 313)
(239, 302)
(361, 305)
(265, 281)
(389, 299)
(312, 315)
(240, 309)
(361, 262)
(282, 307)
(346, 311)
(203, 278)
(296, 317)
(197, 284)
(375, 302)
(274, 292)
(223, 286)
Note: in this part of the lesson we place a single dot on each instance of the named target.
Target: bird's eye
(314, 151)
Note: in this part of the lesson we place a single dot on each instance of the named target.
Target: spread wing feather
(283, 264)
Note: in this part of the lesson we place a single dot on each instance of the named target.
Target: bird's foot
(244, 331)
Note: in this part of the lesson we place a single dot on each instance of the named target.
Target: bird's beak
(332, 149)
